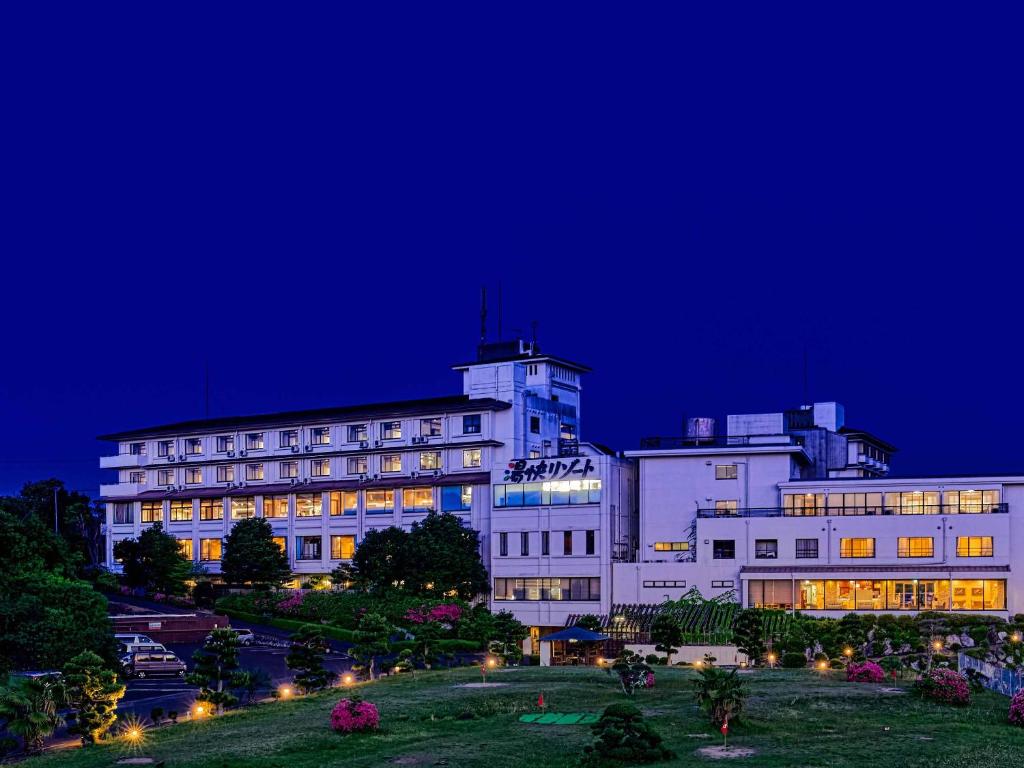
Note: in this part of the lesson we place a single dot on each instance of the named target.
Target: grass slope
(794, 718)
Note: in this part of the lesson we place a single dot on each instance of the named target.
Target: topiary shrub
(622, 735)
(794, 660)
(867, 672)
(354, 715)
(1016, 716)
(944, 685)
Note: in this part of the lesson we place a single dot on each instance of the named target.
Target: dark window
(724, 549)
(535, 425)
(524, 544)
(721, 584)
(766, 549)
(503, 544)
(567, 542)
(545, 543)
(471, 424)
(806, 548)
(307, 547)
(590, 542)
(123, 513)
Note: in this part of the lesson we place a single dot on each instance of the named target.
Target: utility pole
(56, 513)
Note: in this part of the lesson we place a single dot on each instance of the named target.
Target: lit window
(545, 588)
(123, 513)
(471, 424)
(254, 441)
(289, 470)
(391, 430)
(185, 547)
(275, 506)
(165, 448)
(309, 505)
(281, 541)
(320, 468)
(356, 465)
(152, 511)
(211, 509)
(193, 446)
(289, 438)
(165, 477)
(193, 475)
(915, 546)
(456, 498)
(430, 427)
(226, 473)
(726, 507)
(344, 502)
(417, 499)
(391, 462)
(471, 457)
(974, 546)
(567, 432)
(253, 471)
(725, 472)
(225, 443)
(343, 547)
(243, 507)
(380, 501)
(534, 453)
(308, 547)
(181, 510)
(671, 546)
(430, 460)
(209, 549)
(856, 547)
(320, 435)
(356, 433)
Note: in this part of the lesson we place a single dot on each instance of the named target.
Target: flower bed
(944, 685)
(354, 715)
(867, 672)
(1016, 716)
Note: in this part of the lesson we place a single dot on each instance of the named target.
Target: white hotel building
(553, 512)
(795, 510)
(792, 510)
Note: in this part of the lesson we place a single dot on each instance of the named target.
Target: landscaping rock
(725, 753)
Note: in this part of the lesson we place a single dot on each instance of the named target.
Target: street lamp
(771, 660)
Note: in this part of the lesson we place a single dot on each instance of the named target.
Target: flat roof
(526, 357)
(1013, 476)
(423, 406)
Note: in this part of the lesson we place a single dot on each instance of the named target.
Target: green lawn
(794, 718)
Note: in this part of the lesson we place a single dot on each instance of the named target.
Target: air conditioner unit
(413, 474)
(308, 480)
(241, 453)
(181, 487)
(181, 457)
(170, 458)
(294, 481)
(230, 454)
(438, 473)
(364, 443)
(309, 448)
(241, 485)
(295, 449)
(376, 442)
(376, 477)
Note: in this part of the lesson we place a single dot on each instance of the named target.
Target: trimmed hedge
(347, 635)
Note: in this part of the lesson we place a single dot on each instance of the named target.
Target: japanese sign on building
(539, 470)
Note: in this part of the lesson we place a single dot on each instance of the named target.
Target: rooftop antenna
(483, 315)
(533, 338)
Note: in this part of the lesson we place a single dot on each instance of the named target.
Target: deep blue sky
(310, 202)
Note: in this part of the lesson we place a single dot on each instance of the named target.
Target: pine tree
(372, 639)
(94, 692)
(306, 657)
(215, 665)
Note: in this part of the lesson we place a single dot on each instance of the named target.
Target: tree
(507, 637)
(306, 657)
(215, 664)
(748, 634)
(372, 639)
(93, 691)
(444, 558)
(719, 693)
(623, 736)
(78, 520)
(380, 562)
(589, 622)
(154, 561)
(632, 671)
(252, 557)
(246, 682)
(667, 634)
(31, 708)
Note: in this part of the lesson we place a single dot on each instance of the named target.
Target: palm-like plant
(720, 694)
(31, 706)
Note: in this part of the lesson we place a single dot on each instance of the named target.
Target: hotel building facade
(791, 510)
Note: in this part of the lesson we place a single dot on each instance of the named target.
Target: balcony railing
(928, 509)
(718, 441)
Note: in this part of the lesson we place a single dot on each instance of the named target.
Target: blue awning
(575, 633)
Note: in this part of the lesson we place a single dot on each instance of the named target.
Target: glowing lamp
(698, 663)
(133, 734)
(284, 691)
(1015, 637)
(347, 679)
(199, 710)
(937, 645)
(492, 663)
(822, 665)
(848, 652)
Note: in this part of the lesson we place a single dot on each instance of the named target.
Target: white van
(131, 643)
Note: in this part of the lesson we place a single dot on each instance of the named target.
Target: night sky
(309, 204)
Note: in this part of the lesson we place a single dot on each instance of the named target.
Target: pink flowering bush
(292, 604)
(867, 672)
(945, 685)
(1017, 709)
(354, 715)
(446, 613)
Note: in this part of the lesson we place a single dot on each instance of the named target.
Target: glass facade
(892, 503)
(554, 493)
(456, 498)
(565, 588)
(879, 594)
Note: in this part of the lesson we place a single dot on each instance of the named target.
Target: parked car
(129, 648)
(245, 636)
(152, 664)
(132, 638)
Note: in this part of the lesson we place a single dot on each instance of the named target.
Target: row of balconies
(928, 509)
